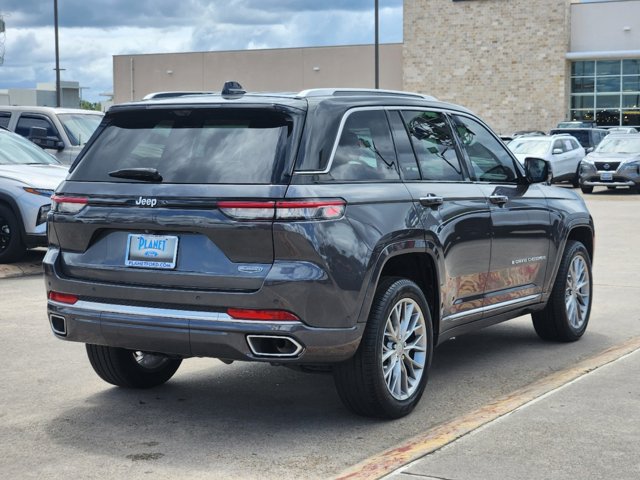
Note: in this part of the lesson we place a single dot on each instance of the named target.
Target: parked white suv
(61, 131)
(563, 152)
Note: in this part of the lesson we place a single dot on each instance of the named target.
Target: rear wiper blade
(145, 174)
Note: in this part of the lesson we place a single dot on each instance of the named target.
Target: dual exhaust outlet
(274, 346)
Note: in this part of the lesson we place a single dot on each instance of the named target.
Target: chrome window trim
(490, 308)
(347, 114)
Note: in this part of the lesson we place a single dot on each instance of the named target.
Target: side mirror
(557, 151)
(590, 149)
(537, 170)
(38, 135)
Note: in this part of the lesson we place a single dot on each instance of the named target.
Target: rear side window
(365, 150)
(213, 146)
(434, 146)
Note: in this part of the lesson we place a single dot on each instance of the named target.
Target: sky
(92, 31)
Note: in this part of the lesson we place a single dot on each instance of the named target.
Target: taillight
(265, 315)
(311, 209)
(63, 297)
(65, 204)
(248, 210)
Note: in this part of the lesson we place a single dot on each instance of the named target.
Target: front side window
(489, 160)
(25, 123)
(434, 146)
(559, 145)
(365, 150)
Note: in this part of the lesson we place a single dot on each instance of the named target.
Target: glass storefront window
(580, 115)
(608, 101)
(631, 84)
(582, 101)
(608, 118)
(608, 84)
(631, 118)
(631, 101)
(608, 90)
(608, 67)
(631, 67)
(583, 69)
(582, 85)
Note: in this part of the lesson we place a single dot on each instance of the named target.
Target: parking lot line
(428, 442)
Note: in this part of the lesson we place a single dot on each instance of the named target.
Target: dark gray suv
(350, 231)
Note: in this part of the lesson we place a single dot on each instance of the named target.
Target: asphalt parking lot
(60, 420)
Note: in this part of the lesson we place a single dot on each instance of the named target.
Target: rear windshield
(240, 145)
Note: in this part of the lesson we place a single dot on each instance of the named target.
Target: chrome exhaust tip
(274, 346)
(58, 325)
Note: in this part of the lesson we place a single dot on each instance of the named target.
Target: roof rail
(327, 92)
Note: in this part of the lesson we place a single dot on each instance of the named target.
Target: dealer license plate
(606, 177)
(151, 251)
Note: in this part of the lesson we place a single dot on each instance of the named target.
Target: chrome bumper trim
(163, 313)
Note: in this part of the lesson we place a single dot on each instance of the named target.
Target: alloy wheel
(577, 292)
(404, 349)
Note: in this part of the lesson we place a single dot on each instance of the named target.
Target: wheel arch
(415, 261)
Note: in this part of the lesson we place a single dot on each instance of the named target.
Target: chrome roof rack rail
(328, 92)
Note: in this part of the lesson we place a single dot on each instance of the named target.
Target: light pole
(376, 48)
(55, 21)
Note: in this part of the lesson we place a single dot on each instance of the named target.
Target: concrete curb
(31, 265)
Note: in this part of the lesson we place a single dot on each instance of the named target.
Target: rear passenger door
(453, 211)
(520, 219)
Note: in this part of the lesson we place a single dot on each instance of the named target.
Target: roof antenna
(232, 89)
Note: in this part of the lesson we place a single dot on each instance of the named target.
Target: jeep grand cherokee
(340, 229)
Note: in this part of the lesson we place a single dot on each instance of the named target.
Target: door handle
(431, 200)
(498, 199)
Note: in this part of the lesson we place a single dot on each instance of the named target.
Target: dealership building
(519, 64)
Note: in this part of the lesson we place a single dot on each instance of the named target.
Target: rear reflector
(266, 315)
(64, 204)
(312, 209)
(63, 297)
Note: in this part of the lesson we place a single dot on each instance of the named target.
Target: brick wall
(503, 59)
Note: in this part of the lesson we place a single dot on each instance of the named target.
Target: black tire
(586, 189)
(360, 381)
(11, 246)
(575, 181)
(119, 367)
(555, 323)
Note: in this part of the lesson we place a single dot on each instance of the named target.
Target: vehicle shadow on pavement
(265, 411)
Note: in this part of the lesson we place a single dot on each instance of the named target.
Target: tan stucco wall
(505, 60)
(286, 69)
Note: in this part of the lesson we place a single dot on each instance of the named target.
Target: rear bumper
(195, 333)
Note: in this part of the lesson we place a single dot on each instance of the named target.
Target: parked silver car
(563, 152)
(615, 163)
(28, 177)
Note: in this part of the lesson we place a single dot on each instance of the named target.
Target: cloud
(91, 32)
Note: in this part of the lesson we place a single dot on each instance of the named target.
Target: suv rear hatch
(179, 196)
